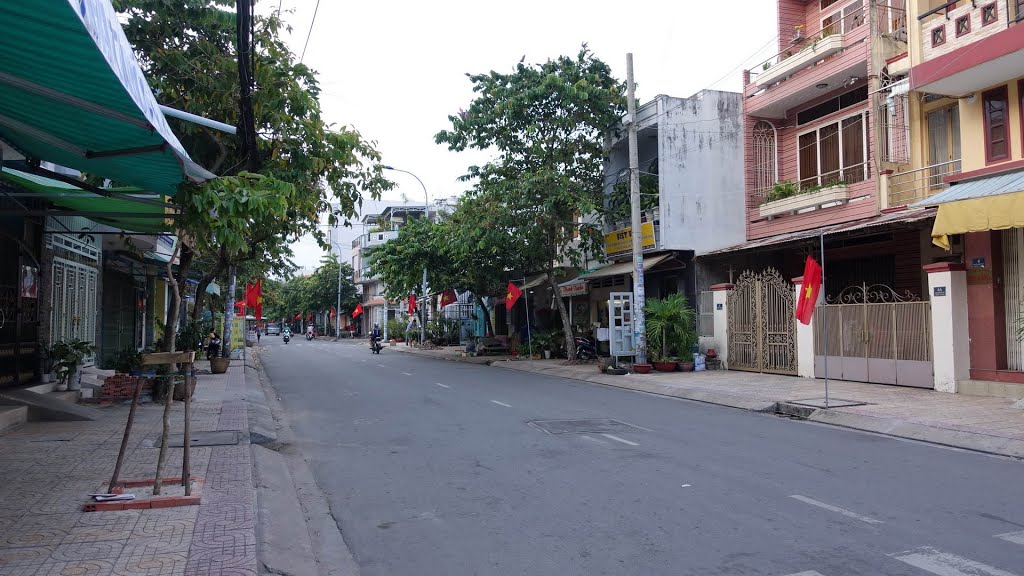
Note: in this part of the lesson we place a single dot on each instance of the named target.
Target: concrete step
(51, 406)
(12, 416)
(70, 396)
(989, 388)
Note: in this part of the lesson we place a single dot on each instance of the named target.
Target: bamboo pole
(127, 434)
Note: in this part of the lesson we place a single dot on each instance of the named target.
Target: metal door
(762, 326)
(620, 324)
(874, 334)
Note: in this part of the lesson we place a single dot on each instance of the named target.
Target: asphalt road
(438, 468)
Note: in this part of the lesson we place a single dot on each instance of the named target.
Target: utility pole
(426, 214)
(639, 321)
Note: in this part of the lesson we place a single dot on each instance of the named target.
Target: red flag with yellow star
(448, 297)
(511, 295)
(809, 289)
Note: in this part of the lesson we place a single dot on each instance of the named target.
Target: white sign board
(620, 324)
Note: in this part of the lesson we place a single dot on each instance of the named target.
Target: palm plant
(671, 326)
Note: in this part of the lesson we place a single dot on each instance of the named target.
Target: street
(437, 467)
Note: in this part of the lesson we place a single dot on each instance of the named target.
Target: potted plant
(49, 363)
(69, 355)
(671, 329)
(542, 342)
(642, 368)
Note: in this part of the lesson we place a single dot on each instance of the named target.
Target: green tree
(313, 293)
(308, 168)
(548, 124)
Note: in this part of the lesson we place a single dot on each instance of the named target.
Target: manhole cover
(587, 426)
(208, 438)
(832, 402)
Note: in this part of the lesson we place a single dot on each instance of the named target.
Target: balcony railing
(910, 186)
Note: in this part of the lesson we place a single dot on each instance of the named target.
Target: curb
(895, 428)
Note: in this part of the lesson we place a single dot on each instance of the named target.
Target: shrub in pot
(69, 355)
(671, 328)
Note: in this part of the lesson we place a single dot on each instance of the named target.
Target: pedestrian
(213, 345)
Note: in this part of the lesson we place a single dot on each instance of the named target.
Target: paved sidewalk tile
(47, 469)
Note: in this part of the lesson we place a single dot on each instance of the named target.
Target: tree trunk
(570, 344)
(164, 440)
(177, 287)
(186, 458)
(204, 283)
(488, 326)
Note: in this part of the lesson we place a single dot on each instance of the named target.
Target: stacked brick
(122, 386)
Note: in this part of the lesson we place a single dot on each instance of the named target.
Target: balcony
(821, 65)
(372, 239)
(806, 201)
(909, 186)
(968, 46)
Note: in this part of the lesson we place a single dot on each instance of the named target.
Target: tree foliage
(309, 169)
(548, 124)
(317, 292)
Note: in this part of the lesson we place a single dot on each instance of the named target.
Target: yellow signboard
(621, 240)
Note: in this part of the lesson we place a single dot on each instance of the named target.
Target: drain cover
(587, 426)
(832, 402)
(208, 438)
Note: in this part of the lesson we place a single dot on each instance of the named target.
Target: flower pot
(219, 365)
(179, 388)
(686, 366)
(75, 380)
(666, 366)
(642, 368)
(547, 354)
(61, 386)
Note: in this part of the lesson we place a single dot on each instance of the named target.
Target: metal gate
(762, 327)
(74, 302)
(874, 334)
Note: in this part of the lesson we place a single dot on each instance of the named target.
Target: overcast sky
(396, 70)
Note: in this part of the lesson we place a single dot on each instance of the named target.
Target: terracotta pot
(179, 388)
(666, 366)
(219, 365)
(642, 368)
(603, 362)
(686, 366)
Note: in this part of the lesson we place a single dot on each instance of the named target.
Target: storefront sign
(574, 289)
(621, 241)
(977, 262)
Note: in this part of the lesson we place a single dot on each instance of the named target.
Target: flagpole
(824, 315)
(529, 336)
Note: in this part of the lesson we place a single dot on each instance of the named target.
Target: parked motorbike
(586, 348)
(375, 345)
(286, 337)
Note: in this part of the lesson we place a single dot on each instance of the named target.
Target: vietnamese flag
(309, 317)
(512, 295)
(448, 297)
(358, 310)
(298, 316)
(412, 303)
(808, 291)
(254, 298)
(334, 313)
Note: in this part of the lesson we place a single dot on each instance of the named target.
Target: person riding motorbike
(375, 336)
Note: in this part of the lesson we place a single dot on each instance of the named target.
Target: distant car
(273, 329)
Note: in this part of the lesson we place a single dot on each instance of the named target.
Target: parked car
(273, 329)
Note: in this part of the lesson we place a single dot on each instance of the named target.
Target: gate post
(720, 297)
(951, 361)
(805, 335)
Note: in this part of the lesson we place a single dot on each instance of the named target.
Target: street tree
(313, 293)
(548, 124)
(311, 171)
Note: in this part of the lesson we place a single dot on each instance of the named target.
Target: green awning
(72, 93)
(117, 210)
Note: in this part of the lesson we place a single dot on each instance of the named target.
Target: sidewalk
(986, 424)
(48, 468)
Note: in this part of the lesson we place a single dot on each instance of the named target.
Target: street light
(426, 210)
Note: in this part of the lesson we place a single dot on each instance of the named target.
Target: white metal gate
(620, 324)
(874, 334)
(74, 301)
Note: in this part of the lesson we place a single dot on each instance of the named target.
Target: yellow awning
(977, 215)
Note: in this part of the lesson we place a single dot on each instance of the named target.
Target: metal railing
(843, 25)
(910, 186)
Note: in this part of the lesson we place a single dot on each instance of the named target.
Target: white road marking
(617, 439)
(592, 439)
(381, 366)
(842, 511)
(406, 374)
(501, 404)
(686, 486)
(946, 564)
(1015, 537)
(442, 385)
(808, 573)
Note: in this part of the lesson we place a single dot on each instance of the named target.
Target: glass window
(833, 153)
(995, 107)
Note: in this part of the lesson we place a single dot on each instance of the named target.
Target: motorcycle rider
(375, 335)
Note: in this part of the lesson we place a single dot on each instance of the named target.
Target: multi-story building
(967, 79)
(379, 229)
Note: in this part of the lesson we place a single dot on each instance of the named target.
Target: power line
(310, 33)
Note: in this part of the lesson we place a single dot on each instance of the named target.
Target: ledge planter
(837, 193)
(219, 365)
(642, 368)
(686, 366)
(666, 366)
(815, 51)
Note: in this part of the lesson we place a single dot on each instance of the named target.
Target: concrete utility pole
(426, 214)
(337, 311)
(639, 321)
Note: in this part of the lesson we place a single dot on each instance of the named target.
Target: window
(943, 144)
(995, 106)
(989, 14)
(765, 160)
(938, 36)
(834, 105)
(845, 20)
(827, 3)
(834, 153)
(1018, 13)
(963, 25)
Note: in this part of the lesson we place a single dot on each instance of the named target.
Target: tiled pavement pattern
(48, 468)
(989, 416)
